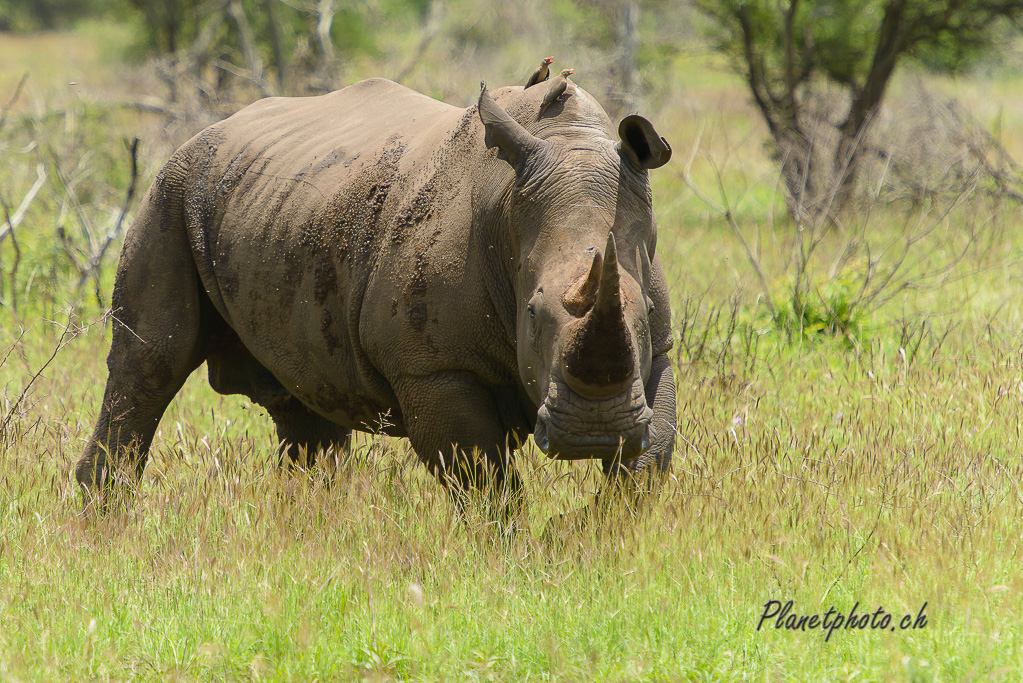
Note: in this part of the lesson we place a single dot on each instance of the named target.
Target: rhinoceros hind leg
(306, 436)
(157, 308)
(117, 451)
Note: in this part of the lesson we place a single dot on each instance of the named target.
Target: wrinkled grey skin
(374, 259)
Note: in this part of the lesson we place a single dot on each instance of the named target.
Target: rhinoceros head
(583, 237)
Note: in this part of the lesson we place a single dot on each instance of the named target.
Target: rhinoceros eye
(534, 301)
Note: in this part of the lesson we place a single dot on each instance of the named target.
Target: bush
(828, 307)
(23, 16)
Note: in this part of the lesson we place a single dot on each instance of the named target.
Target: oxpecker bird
(541, 73)
(556, 89)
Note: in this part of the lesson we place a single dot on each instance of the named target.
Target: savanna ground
(876, 467)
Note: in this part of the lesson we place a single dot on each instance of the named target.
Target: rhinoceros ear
(641, 143)
(514, 143)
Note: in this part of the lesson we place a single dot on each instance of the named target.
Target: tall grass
(826, 478)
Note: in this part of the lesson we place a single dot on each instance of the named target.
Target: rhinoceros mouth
(572, 427)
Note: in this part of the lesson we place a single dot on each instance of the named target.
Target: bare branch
(248, 42)
(14, 220)
(97, 258)
(434, 22)
(14, 345)
(12, 101)
(17, 258)
(67, 186)
(265, 86)
(67, 335)
(727, 213)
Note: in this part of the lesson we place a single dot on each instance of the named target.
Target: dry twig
(68, 334)
(13, 220)
(12, 101)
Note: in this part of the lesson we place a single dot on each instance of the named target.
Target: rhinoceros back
(288, 206)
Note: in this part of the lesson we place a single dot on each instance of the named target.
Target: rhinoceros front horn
(599, 355)
(515, 144)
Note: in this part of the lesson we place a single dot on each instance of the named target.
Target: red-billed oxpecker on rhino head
(592, 308)
(541, 72)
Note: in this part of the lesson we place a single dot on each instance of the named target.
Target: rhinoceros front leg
(660, 396)
(632, 477)
(306, 437)
(456, 430)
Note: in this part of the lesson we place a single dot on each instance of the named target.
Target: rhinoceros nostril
(540, 433)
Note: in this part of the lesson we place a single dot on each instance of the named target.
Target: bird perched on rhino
(556, 89)
(541, 73)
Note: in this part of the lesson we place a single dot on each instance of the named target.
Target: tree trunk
(624, 70)
(246, 38)
(325, 11)
(432, 26)
(328, 70)
(891, 43)
(280, 61)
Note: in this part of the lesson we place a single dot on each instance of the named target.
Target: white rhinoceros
(376, 259)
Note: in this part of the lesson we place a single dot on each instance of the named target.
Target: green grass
(827, 479)
(881, 468)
